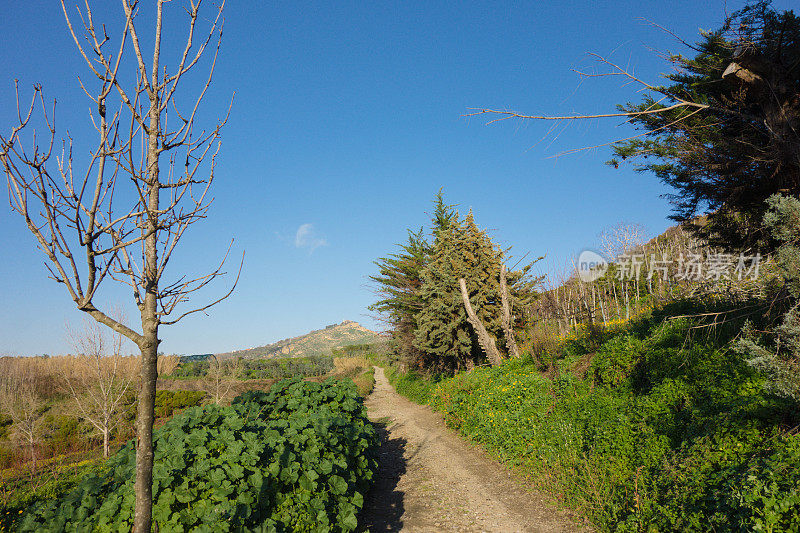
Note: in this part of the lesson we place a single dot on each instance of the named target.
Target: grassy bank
(653, 426)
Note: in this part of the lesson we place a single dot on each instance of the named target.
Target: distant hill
(317, 342)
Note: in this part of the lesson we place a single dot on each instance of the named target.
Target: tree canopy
(420, 298)
(739, 142)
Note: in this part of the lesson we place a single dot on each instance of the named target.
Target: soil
(431, 480)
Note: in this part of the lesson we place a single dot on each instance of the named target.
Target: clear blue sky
(347, 120)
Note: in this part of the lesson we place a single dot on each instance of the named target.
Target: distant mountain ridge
(314, 343)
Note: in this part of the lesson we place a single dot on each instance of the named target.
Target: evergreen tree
(727, 158)
(420, 297)
(398, 285)
(443, 334)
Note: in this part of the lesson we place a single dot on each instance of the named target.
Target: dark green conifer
(726, 158)
(443, 333)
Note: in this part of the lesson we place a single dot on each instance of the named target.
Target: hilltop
(314, 343)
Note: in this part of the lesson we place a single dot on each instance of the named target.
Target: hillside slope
(314, 343)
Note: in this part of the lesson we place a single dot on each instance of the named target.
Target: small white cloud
(307, 238)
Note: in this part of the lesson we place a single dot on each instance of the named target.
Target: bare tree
(221, 376)
(21, 401)
(100, 378)
(145, 182)
(622, 239)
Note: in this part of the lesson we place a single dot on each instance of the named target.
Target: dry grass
(350, 366)
(359, 369)
(46, 374)
(237, 386)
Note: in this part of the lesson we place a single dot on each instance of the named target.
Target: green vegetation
(18, 493)
(420, 295)
(168, 401)
(297, 458)
(277, 368)
(286, 367)
(656, 434)
(413, 385)
(190, 369)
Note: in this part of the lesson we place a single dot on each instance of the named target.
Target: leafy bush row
(297, 458)
(168, 401)
(278, 368)
(286, 367)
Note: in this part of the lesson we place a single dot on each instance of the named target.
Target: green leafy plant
(670, 430)
(297, 458)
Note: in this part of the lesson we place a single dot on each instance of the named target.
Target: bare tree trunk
(145, 415)
(149, 347)
(486, 341)
(627, 302)
(32, 444)
(603, 310)
(508, 327)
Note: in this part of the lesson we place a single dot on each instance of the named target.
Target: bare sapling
(221, 378)
(100, 379)
(120, 212)
(21, 401)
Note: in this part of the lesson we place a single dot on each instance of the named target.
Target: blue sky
(347, 119)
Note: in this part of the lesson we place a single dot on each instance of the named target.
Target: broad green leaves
(297, 458)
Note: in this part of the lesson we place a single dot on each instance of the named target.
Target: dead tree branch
(484, 339)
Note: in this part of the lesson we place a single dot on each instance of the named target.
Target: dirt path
(430, 480)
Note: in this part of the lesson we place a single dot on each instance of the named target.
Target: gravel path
(430, 480)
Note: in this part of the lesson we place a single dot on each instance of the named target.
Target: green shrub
(298, 458)
(190, 369)
(670, 431)
(5, 426)
(614, 361)
(286, 367)
(168, 401)
(414, 386)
